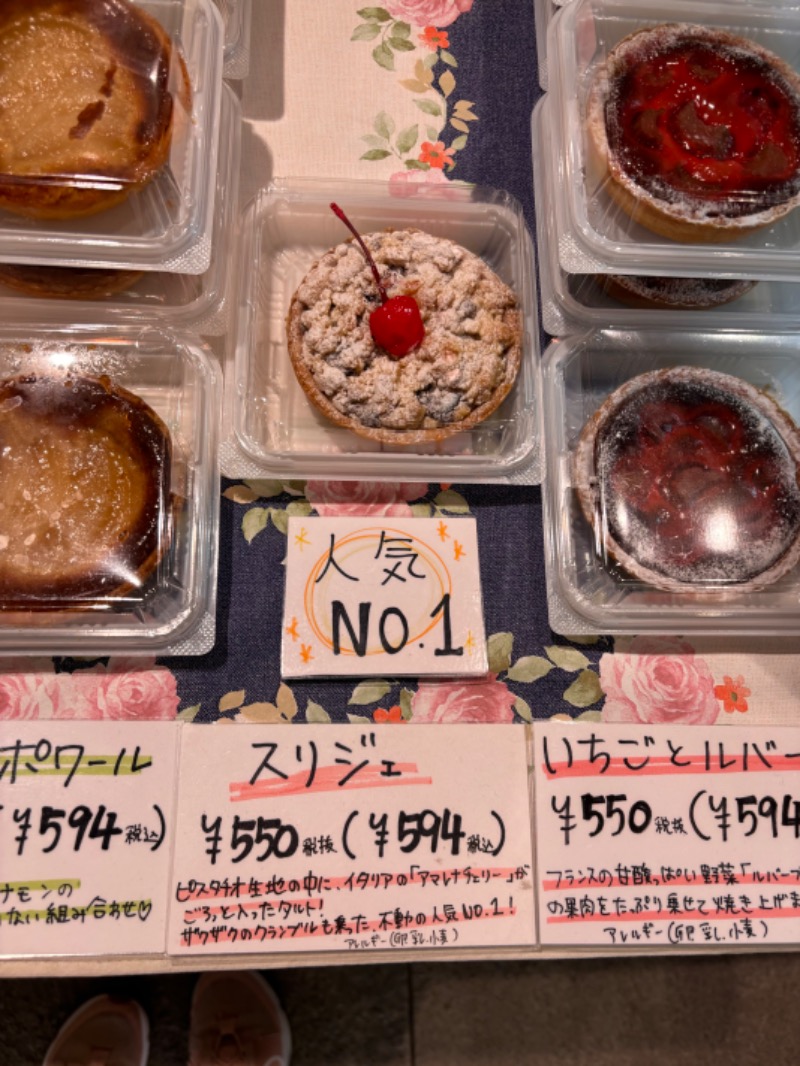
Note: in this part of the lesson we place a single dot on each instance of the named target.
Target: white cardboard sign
(86, 815)
(370, 595)
(667, 836)
(352, 839)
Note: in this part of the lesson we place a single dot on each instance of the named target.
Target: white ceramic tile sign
(352, 839)
(86, 813)
(667, 836)
(371, 595)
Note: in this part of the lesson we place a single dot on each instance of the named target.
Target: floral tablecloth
(413, 90)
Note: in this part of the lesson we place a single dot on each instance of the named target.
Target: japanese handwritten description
(352, 839)
(85, 824)
(368, 595)
(667, 836)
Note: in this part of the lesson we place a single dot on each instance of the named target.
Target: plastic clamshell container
(587, 590)
(106, 394)
(199, 302)
(573, 303)
(236, 17)
(595, 234)
(543, 13)
(285, 230)
(166, 224)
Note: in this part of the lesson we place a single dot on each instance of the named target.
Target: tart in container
(87, 109)
(672, 499)
(691, 479)
(109, 508)
(458, 375)
(271, 427)
(698, 131)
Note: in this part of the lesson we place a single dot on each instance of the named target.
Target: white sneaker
(237, 1021)
(103, 1032)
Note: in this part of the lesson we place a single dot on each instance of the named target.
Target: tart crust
(694, 513)
(67, 283)
(461, 373)
(86, 113)
(85, 509)
(688, 214)
(673, 294)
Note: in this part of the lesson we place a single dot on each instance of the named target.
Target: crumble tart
(85, 509)
(697, 131)
(86, 111)
(674, 294)
(462, 371)
(66, 283)
(690, 479)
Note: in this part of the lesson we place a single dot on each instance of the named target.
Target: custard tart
(691, 480)
(86, 111)
(461, 372)
(697, 132)
(85, 503)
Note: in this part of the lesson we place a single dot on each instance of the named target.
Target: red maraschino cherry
(396, 326)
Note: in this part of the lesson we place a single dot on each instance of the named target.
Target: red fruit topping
(697, 484)
(693, 119)
(396, 326)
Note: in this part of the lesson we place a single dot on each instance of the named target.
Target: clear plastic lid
(236, 16)
(543, 13)
(672, 501)
(285, 231)
(681, 138)
(194, 301)
(573, 303)
(109, 128)
(109, 511)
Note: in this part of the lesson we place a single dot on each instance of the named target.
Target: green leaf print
(383, 56)
(406, 696)
(299, 508)
(530, 668)
(254, 522)
(369, 691)
(523, 710)
(429, 107)
(567, 658)
(414, 164)
(585, 690)
(400, 44)
(401, 29)
(448, 58)
(266, 488)
(375, 153)
(407, 138)
(498, 651)
(366, 32)
(280, 520)
(453, 501)
(379, 14)
(384, 125)
(315, 713)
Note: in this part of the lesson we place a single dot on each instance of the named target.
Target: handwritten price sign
(85, 824)
(369, 595)
(352, 839)
(664, 836)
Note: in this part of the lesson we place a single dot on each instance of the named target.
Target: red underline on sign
(676, 882)
(664, 765)
(680, 916)
(329, 779)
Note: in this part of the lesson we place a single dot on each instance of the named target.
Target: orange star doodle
(305, 653)
(292, 630)
(458, 551)
(469, 643)
(442, 531)
(300, 539)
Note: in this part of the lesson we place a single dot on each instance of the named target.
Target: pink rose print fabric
(483, 699)
(343, 499)
(658, 680)
(438, 13)
(127, 688)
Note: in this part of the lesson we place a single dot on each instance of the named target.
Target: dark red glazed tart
(676, 294)
(690, 479)
(698, 131)
(85, 507)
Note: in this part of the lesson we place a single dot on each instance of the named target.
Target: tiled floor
(704, 1011)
